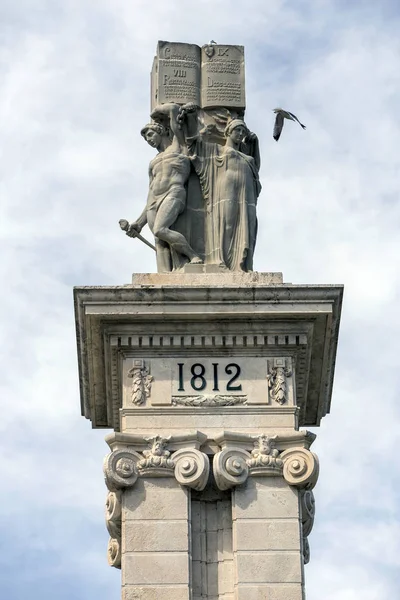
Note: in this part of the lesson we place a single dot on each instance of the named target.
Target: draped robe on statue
(230, 185)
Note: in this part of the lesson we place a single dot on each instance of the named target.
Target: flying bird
(281, 115)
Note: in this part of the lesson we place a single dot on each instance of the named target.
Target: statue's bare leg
(167, 213)
(163, 254)
(163, 257)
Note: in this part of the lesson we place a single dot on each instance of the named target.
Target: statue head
(153, 133)
(236, 130)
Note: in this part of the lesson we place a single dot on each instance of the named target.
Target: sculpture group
(204, 181)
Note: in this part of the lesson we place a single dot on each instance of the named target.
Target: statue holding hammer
(166, 200)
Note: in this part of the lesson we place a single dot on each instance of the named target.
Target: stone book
(211, 76)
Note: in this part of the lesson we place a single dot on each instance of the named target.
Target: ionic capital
(173, 456)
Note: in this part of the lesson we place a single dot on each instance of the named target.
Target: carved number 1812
(198, 379)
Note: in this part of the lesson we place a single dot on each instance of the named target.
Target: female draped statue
(230, 185)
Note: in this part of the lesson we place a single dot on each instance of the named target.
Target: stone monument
(206, 370)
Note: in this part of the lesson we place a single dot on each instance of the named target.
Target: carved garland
(278, 384)
(141, 382)
(218, 400)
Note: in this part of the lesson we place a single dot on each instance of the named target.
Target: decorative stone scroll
(307, 503)
(191, 468)
(300, 467)
(114, 553)
(113, 522)
(231, 467)
(120, 469)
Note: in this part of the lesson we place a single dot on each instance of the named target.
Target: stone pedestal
(205, 380)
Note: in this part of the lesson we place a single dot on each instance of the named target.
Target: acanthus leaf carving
(156, 461)
(300, 467)
(277, 382)
(231, 467)
(141, 382)
(191, 468)
(265, 457)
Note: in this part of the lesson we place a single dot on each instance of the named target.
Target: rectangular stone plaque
(203, 381)
(222, 76)
(175, 76)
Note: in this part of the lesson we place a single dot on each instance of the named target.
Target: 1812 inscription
(197, 376)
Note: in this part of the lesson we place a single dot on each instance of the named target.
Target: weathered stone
(270, 592)
(152, 568)
(268, 567)
(175, 76)
(156, 536)
(161, 592)
(222, 76)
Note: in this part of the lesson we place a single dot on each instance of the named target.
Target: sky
(74, 77)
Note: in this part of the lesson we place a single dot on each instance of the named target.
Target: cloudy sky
(74, 94)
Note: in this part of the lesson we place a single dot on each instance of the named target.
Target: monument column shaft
(155, 540)
(267, 541)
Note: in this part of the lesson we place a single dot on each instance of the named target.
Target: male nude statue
(168, 174)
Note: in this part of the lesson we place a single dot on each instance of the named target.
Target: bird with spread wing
(281, 115)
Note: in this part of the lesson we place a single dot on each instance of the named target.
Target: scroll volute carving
(114, 525)
(300, 467)
(120, 469)
(231, 467)
(307, 503)
(192, 468)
